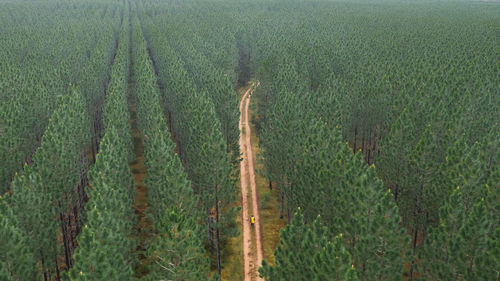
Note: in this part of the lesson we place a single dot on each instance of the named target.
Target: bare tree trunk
(58, 276)
(415, 235)
(77, 229)
(424, 232)
(363, 144)
(374, 147)
(170, 120)
(288, 207)
(355, 137)
(282, 197)
(209, 233)
(45, 277)
(65, 238)
(93, 151)
(219, 269)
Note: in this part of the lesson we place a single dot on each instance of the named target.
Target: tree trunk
(96, 133)
(415, 235)
(93, 152)
(374, 146)
(424, 232)
(282, 198)
(97, 144)
(170, 120)
(71, 242)
(219, 269)
(77, 229)
(45, 277)
(181, 153)
(70, 232)
(355, 137)
(58, 276)
(288, 205)
(209, 233)
(396, 192)
(363, 145)
(65, 239)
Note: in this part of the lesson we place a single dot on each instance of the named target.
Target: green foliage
(175, 249)
(43, 192)
(460, 246)
(411, 87)
(45, 48)
(202, 145)
(16, 259)
(305, 253)
(105, 249)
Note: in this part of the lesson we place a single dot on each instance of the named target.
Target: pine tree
(365, 214)
(305, 253)
(485, 265)
(29, 202)
(50, 185)
(458, 247)
(176, 251)
(105, 249)
(16, 259)
(393, 159)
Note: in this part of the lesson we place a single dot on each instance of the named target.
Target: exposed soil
(252, 254)
(142, 226)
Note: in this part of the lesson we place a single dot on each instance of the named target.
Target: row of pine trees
(57, 127)
(190, 212)
(378, 125)
(419, 196)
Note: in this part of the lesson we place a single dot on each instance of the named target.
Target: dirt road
(251, 259)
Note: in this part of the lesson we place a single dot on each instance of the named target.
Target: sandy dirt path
(251, 261)
(246, 235)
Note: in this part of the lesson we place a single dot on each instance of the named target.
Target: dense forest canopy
(377, 125)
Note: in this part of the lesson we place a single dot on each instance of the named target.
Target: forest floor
(138, 169)
(253, 250)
